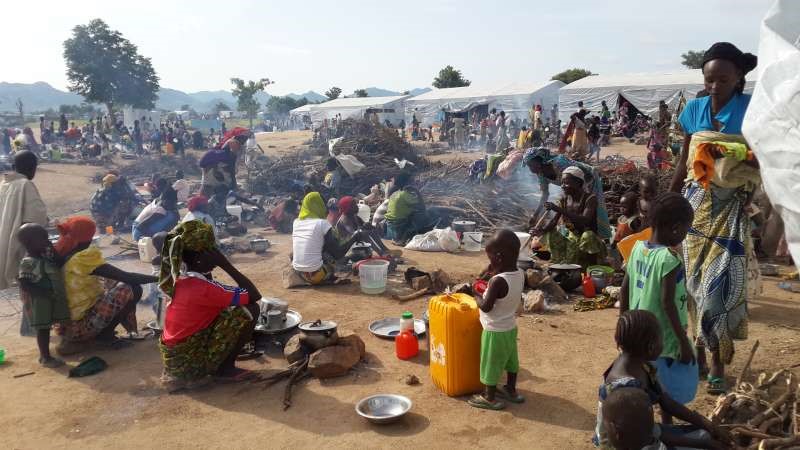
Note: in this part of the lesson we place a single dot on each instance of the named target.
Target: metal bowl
(259, 245)
(383, 408)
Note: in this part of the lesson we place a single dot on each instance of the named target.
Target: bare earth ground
(563, 354)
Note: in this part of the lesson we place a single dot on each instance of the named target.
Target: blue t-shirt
(696, 116)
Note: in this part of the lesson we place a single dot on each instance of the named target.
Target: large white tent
(642, 90)
(515, 99)
(301, 111)
(390, 108)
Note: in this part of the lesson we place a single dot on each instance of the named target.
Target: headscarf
(537, 153)
(347, 205)
(729, 52)
(574, 171)
(109, 180)
(73, 232)
(196, 202)
(313, 207)
(193, 235)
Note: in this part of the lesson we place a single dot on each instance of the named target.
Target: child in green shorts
(655, 281)
(42, 288)
(498, 310)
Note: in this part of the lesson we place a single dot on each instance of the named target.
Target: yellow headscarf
(313, 207)
(109, 180)
(192, 235)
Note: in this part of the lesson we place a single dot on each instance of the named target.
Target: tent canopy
(354, 108)
(516, 99)
(642, 90)
(300, 111)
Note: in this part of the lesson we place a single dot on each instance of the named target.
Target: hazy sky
(313, 45)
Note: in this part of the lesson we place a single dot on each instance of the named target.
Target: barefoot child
(638, 337)
(498, 307)
(656, 281)
(41, 281)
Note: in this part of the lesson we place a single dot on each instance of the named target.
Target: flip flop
(716, 386)
(479, 401)
(502, 392)
(135, 336)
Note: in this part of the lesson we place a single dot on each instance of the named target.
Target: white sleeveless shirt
(503, 316)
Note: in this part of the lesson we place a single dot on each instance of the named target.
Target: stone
(294, 350)
(533, 278)
(410, 380)
(534, 302)
(336, 360)
(315, 341)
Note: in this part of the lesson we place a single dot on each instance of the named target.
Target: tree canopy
(450, 77)
(104, 67)
(333, 93)
(221, 106)
(245, 94)
(693, 59)
(570, 75)
(360, 93)
(282, 105)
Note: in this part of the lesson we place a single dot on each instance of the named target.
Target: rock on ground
(336, 360)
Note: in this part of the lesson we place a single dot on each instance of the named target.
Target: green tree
(245, 94)
(360, 93)
(333, 93)
(221, 106)
(450, 77)
(104, 67)
(570, 75)
(280, 106)
(693, 59)
(185, 107)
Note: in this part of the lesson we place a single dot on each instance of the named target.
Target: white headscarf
(575, 171)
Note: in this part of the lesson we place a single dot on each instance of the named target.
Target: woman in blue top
(719, 175)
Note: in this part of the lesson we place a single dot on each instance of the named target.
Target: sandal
(503, 393)
(479, 401)
(716, 386)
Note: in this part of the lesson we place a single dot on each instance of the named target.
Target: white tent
(515, 99)
(642, 90)
(355, 107)
(301, 111)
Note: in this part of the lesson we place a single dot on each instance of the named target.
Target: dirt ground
(563, 354)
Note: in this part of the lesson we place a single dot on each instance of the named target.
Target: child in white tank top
(498, 307)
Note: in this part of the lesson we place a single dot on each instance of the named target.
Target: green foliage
(333, 93)
(245, 94)
(570, 75)
(450, 77)
(82, 110)
(104, 67)
(282, 105)
(693, 59)
(360, 93)
(221, 106)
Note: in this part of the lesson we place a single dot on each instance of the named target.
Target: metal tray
(390, 327)
(293, 318)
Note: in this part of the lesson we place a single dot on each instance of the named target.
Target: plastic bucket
(147, 251)
(523, 239)
(472, 241)
(235, 210)
(372, 274)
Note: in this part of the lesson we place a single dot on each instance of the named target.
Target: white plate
(390, 327)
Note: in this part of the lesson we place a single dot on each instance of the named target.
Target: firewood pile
(494, 204)
(763, 414)
(621, 175)
(375, 146)
(143, 168)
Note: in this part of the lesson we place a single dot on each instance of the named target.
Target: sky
(313, 45)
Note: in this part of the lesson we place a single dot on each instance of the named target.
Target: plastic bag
(444, 240)
(350, 164)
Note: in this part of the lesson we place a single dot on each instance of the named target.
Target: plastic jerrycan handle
(462, 305)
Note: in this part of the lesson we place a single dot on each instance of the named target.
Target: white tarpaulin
(772, 123)
(390, 108)
(300, 111)
(515, 99)
(642, 90)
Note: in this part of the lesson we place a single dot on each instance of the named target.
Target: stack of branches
(295, 373)
(621, 175)
(761, 415)
(494, 204)
(143, 168)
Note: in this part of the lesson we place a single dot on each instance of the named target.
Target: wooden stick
(479, 213)
(746, 367)
(411, 296)
(721, 409)
(747, 432)
(767, 444)
(299, 373)
(773, 408)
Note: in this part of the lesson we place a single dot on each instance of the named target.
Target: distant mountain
(37, 96)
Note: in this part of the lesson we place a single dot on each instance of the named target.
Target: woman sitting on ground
(206, 323)
(160, 215)
(315, 246)
(349, 223)
(95, 310)
(406, 215)
(572, 235)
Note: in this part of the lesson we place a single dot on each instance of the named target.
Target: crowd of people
(684, 292)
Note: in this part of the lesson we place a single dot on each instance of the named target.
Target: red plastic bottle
(406, 345)
(588, 286)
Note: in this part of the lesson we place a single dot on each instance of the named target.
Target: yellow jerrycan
(455, 338)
